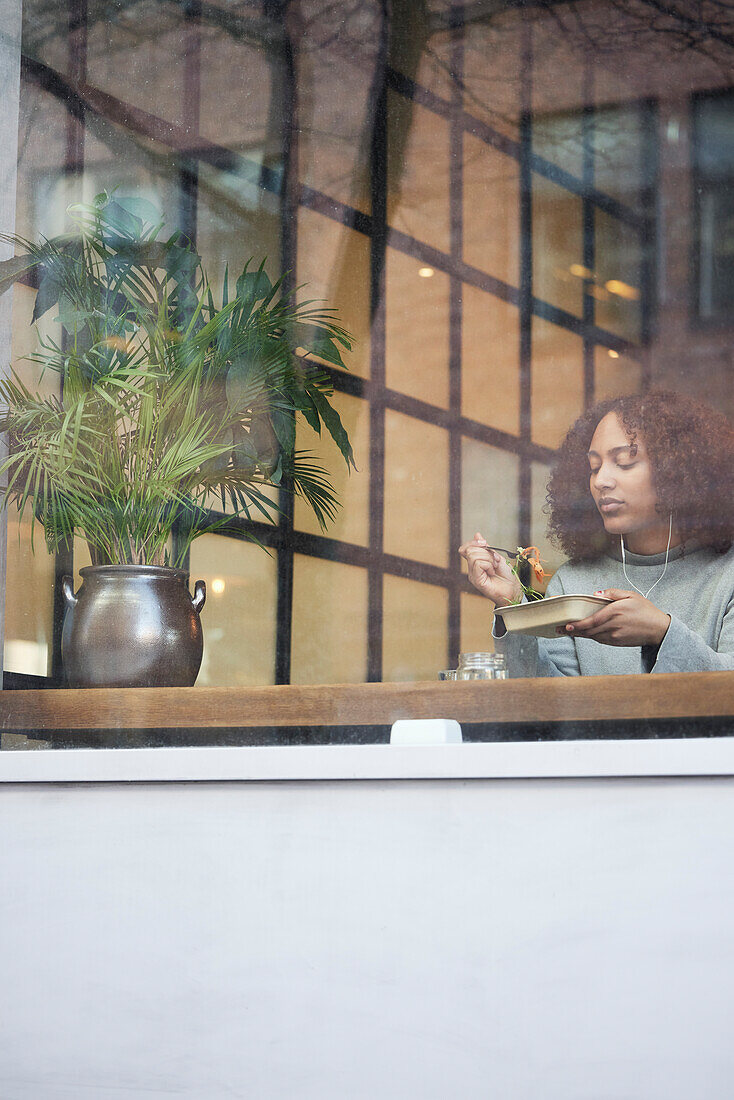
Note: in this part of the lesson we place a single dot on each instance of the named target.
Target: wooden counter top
(594, 698)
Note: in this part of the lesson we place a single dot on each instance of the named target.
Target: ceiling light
(622, 290)
(425, 272)
(613, 354)
(217, 586)
(581, 272)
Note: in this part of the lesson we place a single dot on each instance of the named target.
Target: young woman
(641, 500)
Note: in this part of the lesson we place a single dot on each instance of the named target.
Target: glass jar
(481, 666)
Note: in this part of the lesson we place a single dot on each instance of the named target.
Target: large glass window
(501, 222)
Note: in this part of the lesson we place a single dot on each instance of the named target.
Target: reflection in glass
(418, 172)
(491, 211)
(615, 374)
(557, 381)
(493, 73)
(713, 151)
(28, 600)
(136, 56)
(618, 293)
(329, 644)
(415, 634)
(352, 486)
(490, 486)
(416, 489)
(605, 101)
(334, 265)
(417, 300)
(238, 618)
(490, 331)
(420, 45)
(559, 139)
(618, 154)
(557, 246)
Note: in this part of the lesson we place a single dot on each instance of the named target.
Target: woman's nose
(604, 478)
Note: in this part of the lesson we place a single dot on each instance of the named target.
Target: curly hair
(691, 451)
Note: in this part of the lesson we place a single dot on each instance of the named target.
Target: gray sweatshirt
(697, 592)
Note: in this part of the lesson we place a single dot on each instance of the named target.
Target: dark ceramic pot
(132, 626)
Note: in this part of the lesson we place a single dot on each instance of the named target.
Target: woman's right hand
(489, 572)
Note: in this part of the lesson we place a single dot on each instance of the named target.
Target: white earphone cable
(665, 566)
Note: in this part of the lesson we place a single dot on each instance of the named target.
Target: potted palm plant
(169, 398)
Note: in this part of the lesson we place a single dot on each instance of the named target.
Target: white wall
(555, 939)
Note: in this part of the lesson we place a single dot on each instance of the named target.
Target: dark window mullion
(378, 250)
(649, 153)
(588, 215)
(526, 280)
(289, 255)
(456, 201)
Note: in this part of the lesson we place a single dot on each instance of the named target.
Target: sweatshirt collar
(650, 559)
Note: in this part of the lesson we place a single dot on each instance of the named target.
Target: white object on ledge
(425, 731)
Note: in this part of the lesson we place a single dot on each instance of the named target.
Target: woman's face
(621, 484)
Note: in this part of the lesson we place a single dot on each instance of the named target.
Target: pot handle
(67, 587)
(199, 597)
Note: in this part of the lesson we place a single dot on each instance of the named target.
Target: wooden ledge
(574, 699)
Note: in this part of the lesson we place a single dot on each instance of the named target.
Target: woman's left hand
(629, 620)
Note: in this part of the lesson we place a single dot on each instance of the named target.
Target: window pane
(237, 222)
(352, 487)
(334, 265)
(557, 381)
(416, 489)
(417, 329)
(558, 67)
(333, 127)
(559, 139)
(136, 55)
(557, 246)
(415, 630)
(418, 172)
(238, 618)
(618, 154)
(82, 558)
(615, 374)
(491, 211)
(618, 276)
(489, 494)
(255, 134)
(329, 622)
(413, 27)
(492, 91)
(28, 599)
(490, 382)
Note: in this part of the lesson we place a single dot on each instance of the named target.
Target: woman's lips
(609, 507)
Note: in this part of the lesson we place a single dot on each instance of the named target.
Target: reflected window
(713, 161)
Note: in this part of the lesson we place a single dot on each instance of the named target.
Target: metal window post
(10, 22)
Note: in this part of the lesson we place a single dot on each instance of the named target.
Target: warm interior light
(613, 354)
(599, 293)
(217, 586)
(622, 290)
(581, 272)
(425, 272)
